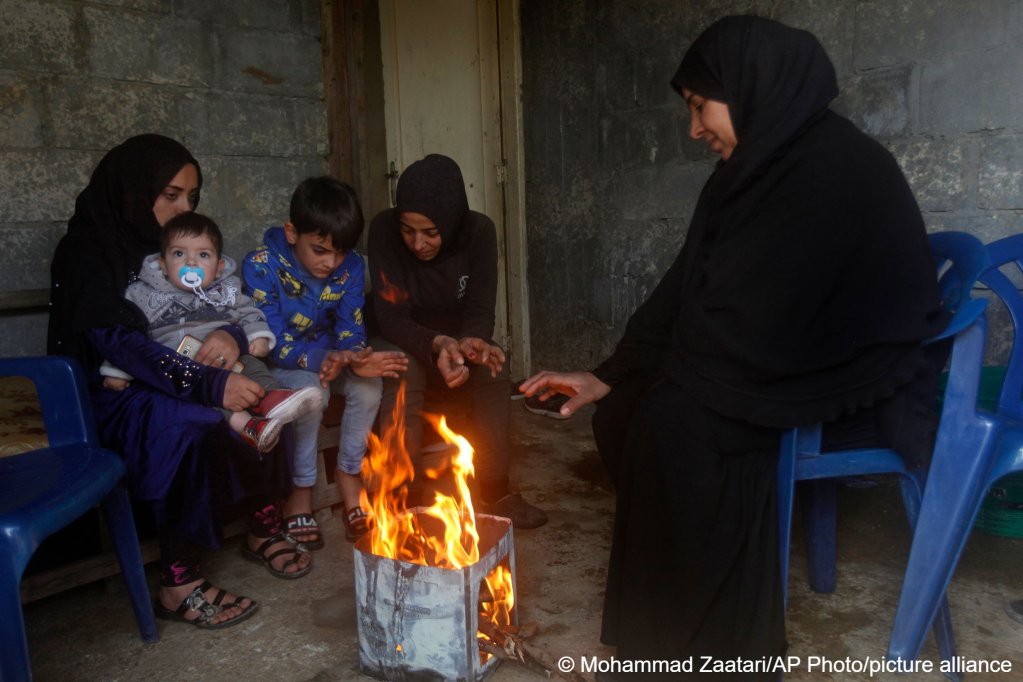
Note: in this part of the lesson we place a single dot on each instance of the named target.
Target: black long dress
(801, 295)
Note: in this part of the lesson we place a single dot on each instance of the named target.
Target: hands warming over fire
(450, 361)
(479, 352)
(365, 363)
(452, 356)
(582, 388)
(379, 363)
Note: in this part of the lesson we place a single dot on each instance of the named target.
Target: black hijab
(112, 230)
(806, 283)
(434, 187)
(775, 80)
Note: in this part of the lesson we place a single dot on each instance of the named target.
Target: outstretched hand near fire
(379, 363)
(582, 388)
(479, 352)
(450, 361)
(365, 363)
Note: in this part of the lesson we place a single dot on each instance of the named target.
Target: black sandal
(300, 526)
(207, 610)
(259, 556)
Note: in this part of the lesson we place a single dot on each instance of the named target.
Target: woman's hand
(218, 350)
(450, 361)
(241, 393)
(371, 363)
(582, 388)
(479, 352)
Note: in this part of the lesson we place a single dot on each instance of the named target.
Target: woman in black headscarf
(433, 264)
(183, 462)
(802, 294)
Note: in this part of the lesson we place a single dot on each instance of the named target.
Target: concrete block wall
(612, 175)
(238, 82)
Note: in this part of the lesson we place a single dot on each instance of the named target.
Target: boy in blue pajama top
(308, 281)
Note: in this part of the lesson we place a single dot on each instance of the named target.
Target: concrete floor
(306, 629)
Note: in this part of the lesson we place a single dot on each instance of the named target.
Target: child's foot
(288, 405)
(356, 523)
(304, 530)
(299, 523)
(262, 434)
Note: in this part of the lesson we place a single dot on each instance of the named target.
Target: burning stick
(509, 643)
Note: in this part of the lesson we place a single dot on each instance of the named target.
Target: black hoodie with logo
(454, 293)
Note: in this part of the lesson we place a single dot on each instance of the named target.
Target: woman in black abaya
(802, 293)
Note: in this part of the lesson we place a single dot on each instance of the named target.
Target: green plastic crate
(991, 379)
(1001, 512)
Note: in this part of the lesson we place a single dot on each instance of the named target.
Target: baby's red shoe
(288, 405)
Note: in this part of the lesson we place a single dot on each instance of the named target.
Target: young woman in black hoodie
(433, 266)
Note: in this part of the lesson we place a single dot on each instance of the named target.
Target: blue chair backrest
(61, 387)
(963, 258)
(1009, 252)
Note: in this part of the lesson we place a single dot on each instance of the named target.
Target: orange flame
(498, 608)
(386, 473)
(391, 292)
(443, 534)
(396, 532)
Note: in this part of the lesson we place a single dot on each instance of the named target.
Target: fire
(442, 534)
(391, 292)
(398, 533)
(498, 608)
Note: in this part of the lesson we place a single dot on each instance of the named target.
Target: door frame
(514, 165)
(357, 156)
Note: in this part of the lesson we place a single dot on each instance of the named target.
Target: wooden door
(445, 65)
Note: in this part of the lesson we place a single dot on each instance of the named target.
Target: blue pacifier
(191, 276)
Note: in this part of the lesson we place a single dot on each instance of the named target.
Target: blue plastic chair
(960, 258)
(969, 457)
(44, 490)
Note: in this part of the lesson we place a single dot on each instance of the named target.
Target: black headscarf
(775, 80)
(806, 283)
(112, 230)
(434, 187)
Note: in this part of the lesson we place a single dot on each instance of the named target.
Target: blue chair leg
(911, 486)
(941, 533)
(945, 636)
(14, 661)
(819, 502)
(120, 523)
(785, 488)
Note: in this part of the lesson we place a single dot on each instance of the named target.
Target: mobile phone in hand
(190, 345)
